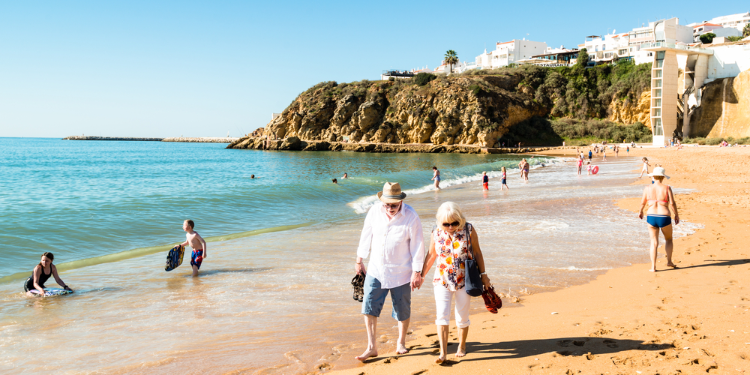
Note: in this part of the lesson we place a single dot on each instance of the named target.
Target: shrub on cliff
(541, 131)
(423, 78)
(707, 38)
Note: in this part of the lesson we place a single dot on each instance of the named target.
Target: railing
(675, 46)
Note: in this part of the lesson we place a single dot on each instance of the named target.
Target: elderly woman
(660, 201)
(449, 246)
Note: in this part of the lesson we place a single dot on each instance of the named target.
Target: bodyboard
(174, 257)
(52, 292)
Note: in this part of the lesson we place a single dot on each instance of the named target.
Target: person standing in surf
(503, 181)
(392, 238)
(436, 177)
(35, 284)
(197, 243)
(661, 203)
(485, 181)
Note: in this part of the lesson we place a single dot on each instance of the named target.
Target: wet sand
(694, 319)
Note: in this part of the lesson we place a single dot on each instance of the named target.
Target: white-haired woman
(660, 200)
(449, 246)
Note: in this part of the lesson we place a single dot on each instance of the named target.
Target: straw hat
(658, 171)
(391, 193)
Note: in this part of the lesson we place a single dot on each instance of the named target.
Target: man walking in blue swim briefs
(392, 238)
(197, 243)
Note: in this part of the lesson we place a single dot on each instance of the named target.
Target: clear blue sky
(171, 68)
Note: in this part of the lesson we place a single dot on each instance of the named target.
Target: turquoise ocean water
(84, 200)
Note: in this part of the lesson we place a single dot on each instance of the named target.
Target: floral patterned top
(451, 252)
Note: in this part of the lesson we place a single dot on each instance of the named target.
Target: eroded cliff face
(629, 113)
(446, 111)
(457, 110)
(725, 109)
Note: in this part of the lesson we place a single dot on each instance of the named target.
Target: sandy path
(691, 320)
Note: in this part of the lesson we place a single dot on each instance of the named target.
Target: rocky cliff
(725, 109)
(467, 109)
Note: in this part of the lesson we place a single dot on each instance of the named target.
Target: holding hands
(416, 280)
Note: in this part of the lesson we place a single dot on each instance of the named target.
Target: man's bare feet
(401, 349)
(652, 270)
(670, 264)
(369, 353)
(461, 351)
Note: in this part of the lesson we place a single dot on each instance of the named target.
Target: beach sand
(691, 320)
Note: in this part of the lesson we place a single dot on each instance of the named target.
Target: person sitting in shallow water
(41, 274)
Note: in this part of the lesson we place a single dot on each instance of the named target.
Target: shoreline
(296, 144)
(627, 319)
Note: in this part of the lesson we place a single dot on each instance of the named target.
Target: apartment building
(511, 52)
(736, 21)
(714, 28)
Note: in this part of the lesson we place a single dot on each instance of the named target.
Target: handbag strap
(467, 228)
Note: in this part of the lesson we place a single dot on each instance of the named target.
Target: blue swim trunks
(374, 299)
(197, 258)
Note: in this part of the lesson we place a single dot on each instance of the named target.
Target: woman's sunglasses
(453, 224)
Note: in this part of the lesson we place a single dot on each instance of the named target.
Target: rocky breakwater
(92, 138)
(201, 139)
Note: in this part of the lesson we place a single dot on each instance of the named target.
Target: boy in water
(197, 243)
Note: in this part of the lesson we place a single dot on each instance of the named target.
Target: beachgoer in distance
(627, 150)
(645, 167)
(436, 177)
(197, 243)
(504, 178)
(524, 167)
(579, 161)
(588, 167)
(392, 237)
(660, 201)
(449, 246)
(604, 154)
(485, 181)
(335, 181)
(346, 175)
(41, 274)
(252, 176)
(590, 155)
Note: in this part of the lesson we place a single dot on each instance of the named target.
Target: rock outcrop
(474, 109)
(725, 109)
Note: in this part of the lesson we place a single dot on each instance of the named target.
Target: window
(657, 83)
(657, 112)
(660, 55)
(657, 93)
(657, 102)
(658, 130)
(657, 73)
(659, 63)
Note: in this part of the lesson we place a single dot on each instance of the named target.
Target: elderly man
(393, 236)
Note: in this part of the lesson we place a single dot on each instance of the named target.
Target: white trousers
(443, 298)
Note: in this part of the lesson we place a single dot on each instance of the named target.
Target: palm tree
(451, 57)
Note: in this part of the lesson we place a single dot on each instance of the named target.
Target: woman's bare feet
(670, 264)
(401, 349)
(461, 351)
(652, 270)
(440, 359)
(369, 353)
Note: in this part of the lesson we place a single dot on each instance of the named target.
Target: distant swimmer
(504, 177)
(335, 181)
(436, 177)
(661, 204)
(485, 181)
(346, 175)
(524, 167)
(252, 176)
(197, 243)
(35, 284)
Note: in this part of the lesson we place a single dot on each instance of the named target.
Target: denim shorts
(374, 299)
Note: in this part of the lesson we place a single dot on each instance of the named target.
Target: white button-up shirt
(396, 246)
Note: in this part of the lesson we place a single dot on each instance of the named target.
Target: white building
(509, 53)
(628, 45)
(716, 29)
(736, 21)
